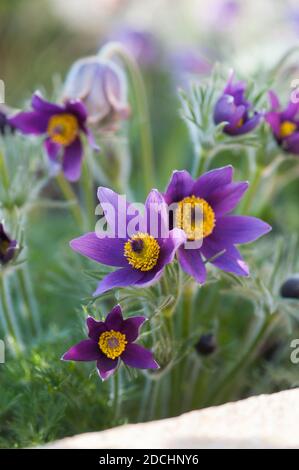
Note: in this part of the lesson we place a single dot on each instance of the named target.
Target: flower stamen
(196, 217)
(63, 128)
(112, 343)
(142, 251)
(287, 128)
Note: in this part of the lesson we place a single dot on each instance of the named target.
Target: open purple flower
(233, 108)
(110, 341)
(215, 195)
(62, 126)
(141, 255)
(284, 124)
(8, 247)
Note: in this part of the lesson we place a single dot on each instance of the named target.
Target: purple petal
(226, 198)
(86, 350)
(106, 366)
(248, 126)
(52, 149)
(230, 261)
(169, 246)
(72, 160)
(109, 251)
(139, 357)
(290, 112)
(114, 319)
(291, 143)
(179, 186)
(150, 277)
(121, 278)
(156, 214)
(273, 99)
(233, 229)
(214, 179)
(45, 107)
(130, 327)
(95, 328)
(192, 263)
(31, 122)
(273, 119)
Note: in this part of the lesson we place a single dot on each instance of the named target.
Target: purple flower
(5, 125)
(284, 124)
(215, 195)
(233, 108)
(110, 341)
(141, 44)
(62, 126)
(141, 255)
(101, 86)
(8, 247)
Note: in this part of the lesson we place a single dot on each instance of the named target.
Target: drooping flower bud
(290, 288)
(8, 247)
(206, 345)
(101, 86)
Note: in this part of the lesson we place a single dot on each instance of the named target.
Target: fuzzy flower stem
(115, 395)
(115, 49)
(87, 189)
(70, 196)
(29, 299)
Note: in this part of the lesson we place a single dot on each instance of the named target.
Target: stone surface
(265, 421)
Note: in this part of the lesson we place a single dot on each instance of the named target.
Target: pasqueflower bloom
(101, 86)
(62, 126)
(112, 340)
(142, 255)
(233, 108)
(8, 247)
(284, 124)
(215, 195)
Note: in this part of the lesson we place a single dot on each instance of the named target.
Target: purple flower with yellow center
(233, 108)
(140, 256)
(62, 126)
(8, 247)
(110, 341)
(214, 195)
(284, 124)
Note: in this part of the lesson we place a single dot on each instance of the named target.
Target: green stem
(3, 172)
(29, 299)
(251, 193)
(115, 402)
(88, 194)
(70, 196)
(262, 330)
(115, 49)
(13, 331)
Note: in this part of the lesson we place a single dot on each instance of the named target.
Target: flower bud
(290, 288)
(206, 345)
(101, 86)
(8, 247)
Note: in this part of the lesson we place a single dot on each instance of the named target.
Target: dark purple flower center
(137, 245)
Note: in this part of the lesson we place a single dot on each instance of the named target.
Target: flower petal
(192, 263)
(109, 251)
(291, 143)
(121, 278)
(233, 229)
(106, 366)
(273, 99)
(95, 328)
(139, 357)
(86, 350)
(226, 198)
(31, 122)
(72, 160)
(179, 186)
(77, 108)
(156, 214)
(114, 319)
(248, 126)
(169, 246)
(273, 120)
(230, 261)
(214, 179)
(130, 327)
(39, 104)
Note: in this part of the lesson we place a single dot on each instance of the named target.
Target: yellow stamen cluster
(112, 343)
(142, 251)
(63, 128)
(287, 128)
(196, 217)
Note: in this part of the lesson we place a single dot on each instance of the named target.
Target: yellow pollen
(112, 343)
(142, 251)
(63, 128)
(287, 128)
(240, 123)
(196, 217)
